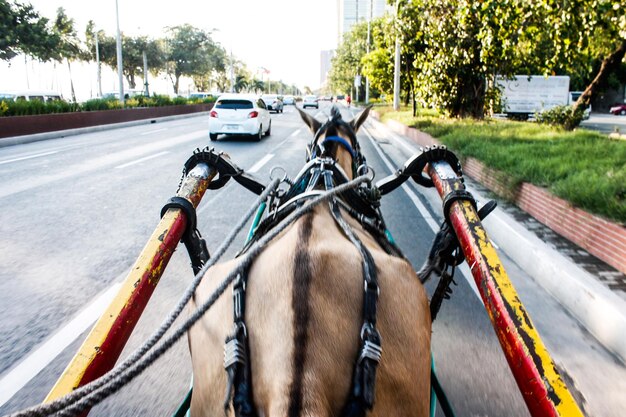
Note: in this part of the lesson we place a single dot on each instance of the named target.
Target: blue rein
(342, 142)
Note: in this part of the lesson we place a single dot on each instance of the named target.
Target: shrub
(159, 100)
(179, 100)
(562, 116)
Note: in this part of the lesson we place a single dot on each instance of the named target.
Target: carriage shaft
(105, 342)
(536, 375)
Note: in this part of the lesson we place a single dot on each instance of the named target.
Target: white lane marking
(262, 162)
(420, 207)
(152, 131)
(34, 363)
(91, 165)
(296, 133)
(6, 161)
(140, 160)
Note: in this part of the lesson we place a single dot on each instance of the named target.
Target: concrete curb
(18, 140)
(597, 308)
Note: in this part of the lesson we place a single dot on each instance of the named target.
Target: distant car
(31, 95)
(128, 93)
(310, 101)
(618, 109)
(273, 102)
(239, 114)
(289, 100)
(200, 95)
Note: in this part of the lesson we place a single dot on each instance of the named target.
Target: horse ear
(360, 118)
(310, 121)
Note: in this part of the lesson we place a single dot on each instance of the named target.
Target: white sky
(284, 36)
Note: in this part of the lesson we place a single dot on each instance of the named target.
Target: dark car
(619, 109)
(273, 102)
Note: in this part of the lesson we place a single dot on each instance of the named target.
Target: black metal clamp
(195, 244)
(225, 168)
(414, 168)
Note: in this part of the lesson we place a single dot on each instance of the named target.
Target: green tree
(257, 86)
(241, 83)
(191, 51)
(346, 63)
(132, 53)
(69, 47)
(23, 30)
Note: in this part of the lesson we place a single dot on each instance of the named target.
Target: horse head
(337, 139)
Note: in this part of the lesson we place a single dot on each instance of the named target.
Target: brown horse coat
(304, 314)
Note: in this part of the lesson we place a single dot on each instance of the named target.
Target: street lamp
(396, 69)
(367, 79)
(120, 74)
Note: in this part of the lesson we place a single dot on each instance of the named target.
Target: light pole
(396, 69)
(98, 69)
(120, 74)
(369, 24)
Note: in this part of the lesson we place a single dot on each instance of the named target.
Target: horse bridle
(316, 147)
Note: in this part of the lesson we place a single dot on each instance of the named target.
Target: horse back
(304, 316)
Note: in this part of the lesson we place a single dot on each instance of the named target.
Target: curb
(19, 140)
(593, 305)
(598, 309)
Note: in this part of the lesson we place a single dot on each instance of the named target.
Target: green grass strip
(583, 167)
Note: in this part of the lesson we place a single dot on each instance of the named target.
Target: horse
(303, 351)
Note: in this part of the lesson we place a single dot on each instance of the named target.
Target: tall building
(352, 11)
(325, 58)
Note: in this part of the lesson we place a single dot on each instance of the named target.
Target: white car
(310, 101)
(239, 114)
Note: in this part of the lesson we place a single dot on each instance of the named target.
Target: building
(325, 63)
(352, 11)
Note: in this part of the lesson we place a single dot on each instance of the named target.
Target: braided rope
(114, 380)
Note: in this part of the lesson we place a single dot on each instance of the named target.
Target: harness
(320, 174)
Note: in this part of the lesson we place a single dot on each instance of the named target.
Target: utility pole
(145, 74)
(232, 73)
(98, 69)
(120, 74)
(396, 69)
(369, 29)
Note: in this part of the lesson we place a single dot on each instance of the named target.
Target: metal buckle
(371, 351)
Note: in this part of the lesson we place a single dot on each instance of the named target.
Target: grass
(583, 167)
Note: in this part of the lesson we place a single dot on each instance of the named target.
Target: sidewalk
(591, 290)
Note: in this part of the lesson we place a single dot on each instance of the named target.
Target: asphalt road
(606, 123)
(77, 211)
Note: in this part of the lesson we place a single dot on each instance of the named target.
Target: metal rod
(105, 342)
(536, 375)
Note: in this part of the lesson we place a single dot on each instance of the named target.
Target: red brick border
(28, 125)
(604, 239)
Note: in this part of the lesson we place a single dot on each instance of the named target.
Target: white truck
(523, 95)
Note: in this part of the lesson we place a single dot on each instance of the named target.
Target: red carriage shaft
(536, 375)
(105, 342)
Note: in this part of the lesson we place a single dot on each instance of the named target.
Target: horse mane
(335, 114)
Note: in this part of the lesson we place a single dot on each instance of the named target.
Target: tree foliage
(23, 30)
(453, 50)
(191, 51)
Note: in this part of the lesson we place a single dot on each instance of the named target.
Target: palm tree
(257, 85)
(241, 83)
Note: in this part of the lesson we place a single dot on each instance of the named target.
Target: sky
(283, 36)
